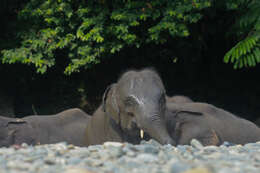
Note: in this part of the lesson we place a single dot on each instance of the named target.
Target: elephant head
(137, 104)
(15, 131)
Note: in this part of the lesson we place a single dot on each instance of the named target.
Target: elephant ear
(109, 103)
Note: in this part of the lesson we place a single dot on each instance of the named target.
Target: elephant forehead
(140, 91)
(140, 82)
(134, 82)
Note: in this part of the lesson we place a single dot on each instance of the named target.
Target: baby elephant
(69, 126)
(133, 107)
(208, 124)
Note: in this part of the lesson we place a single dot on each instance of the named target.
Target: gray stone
(196, 144)
(111, 167)
(182, 148)
(177, 167)
(146, 158)
(129, 152)
(115, 152)
(79, 153)
(228, 144)
(148, 148)
(153, 142)
(113, 144)
(210, 149)
(73, 160)
(50, 160)
(129, 163)
(94, 148)
(143, 158)
(92, 162)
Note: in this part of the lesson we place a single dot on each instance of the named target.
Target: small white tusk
(141, 134)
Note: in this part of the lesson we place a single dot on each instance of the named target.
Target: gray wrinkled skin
(15, 131)
(208, 124)
(69, 126)
(136, 101)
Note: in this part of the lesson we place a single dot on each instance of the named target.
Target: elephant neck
(103, 128)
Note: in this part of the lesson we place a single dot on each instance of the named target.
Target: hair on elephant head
(137, 104)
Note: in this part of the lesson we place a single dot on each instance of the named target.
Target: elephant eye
(130, 114)
(129, 101)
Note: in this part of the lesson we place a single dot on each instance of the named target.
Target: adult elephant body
(178, 99)
(69, 126)
(136, 103)
(209, 124)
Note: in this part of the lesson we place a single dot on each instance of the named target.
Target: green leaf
(257, 55)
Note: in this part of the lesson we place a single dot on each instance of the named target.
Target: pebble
(77, 170)
(114, 144)
(196, 144)
(147, 157)
(198, 170)
(178, 167)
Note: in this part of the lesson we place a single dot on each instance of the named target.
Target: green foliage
(87, 31)
(246, 53)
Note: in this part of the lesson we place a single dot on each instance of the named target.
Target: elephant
(69, 126)
(208, 124)
(178, 99)
(15, 131)
(132, 108)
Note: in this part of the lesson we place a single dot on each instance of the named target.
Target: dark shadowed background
(192, 66)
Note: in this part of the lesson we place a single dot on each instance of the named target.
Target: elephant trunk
(154, 124)
(158, 131)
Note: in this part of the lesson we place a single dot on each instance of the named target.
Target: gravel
(147, 157)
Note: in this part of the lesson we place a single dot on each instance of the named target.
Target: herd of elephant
(134, 108)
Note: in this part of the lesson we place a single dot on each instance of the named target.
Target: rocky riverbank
(148, 157)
